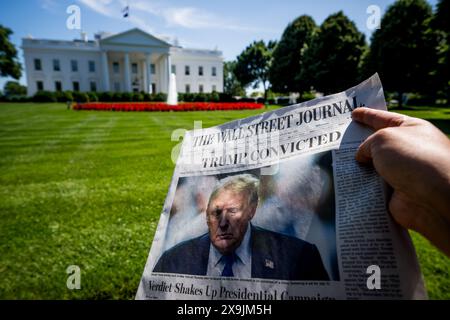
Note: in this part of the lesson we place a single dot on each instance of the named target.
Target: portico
(135, 61)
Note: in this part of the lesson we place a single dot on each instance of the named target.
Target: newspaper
(275, 206)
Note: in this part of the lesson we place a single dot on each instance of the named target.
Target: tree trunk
(265, 95)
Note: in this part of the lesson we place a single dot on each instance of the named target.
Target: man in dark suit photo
(234, 247)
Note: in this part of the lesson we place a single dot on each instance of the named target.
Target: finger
(404, 211)
(364, 152)
(378, 119)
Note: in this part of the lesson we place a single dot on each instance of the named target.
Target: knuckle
(383, 135)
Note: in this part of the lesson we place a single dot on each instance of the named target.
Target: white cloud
(191, 18)
(185, 17)
(113, 9)
(194, 18)
(103, 7)
(49, 5)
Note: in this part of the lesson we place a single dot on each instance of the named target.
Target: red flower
(160, 106)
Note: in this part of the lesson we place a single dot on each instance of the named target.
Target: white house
(130, 61)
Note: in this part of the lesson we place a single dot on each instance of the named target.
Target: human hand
(413, 157)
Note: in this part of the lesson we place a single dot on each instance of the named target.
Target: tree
(253, 64)
(441, 24)
(9, 66)
(332, 62)
(403, 49)
(288, 54)
(231, 85)
(14, 88)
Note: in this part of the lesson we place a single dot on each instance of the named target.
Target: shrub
(126, 96)
(199, 97)
(64, 96)
(105, 96)
(247, 100)
(283, 101)
(17, 98)
(160, 96)
(93, 97)
(138, 97)
(416, 99)
(117, 97)
(188, 97)
(306, 96)
(147, 96)
(226, 97)
(80, 97)
(214, 97)
(44, 96)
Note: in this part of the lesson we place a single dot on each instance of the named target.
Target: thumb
(378, 119)
(364, 152)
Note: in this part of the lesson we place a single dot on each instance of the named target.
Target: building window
(76, 86)
(214, 88)
(214, 71)
(116, 67)
(93, 86)
(134, 68)
(187, 89)
(187, 70)
(58, 86)
(152, 68)
(56, 65)
(37, 64)
(91, 66)
(153, 87)
(74, 65)
(40, 85)
(200, 88)
(200, 70)
(117, 86)
(174, 69)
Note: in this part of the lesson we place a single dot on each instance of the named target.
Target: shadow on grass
(404, 108)
(442, 124)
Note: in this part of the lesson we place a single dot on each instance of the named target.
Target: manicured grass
(86, 188)
(438, 116)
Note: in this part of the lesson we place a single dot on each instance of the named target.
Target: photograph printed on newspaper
(275, 206)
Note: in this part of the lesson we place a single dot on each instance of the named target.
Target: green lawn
(86, 188)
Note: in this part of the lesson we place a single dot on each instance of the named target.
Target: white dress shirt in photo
(242, 267)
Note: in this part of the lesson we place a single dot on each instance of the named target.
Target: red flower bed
(160, 106)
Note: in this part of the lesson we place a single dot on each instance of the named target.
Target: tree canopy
(14, 88)
(403, 49)
(231, 85)
(288, 55)
(9, 65)
(441, 23)
(253, 64)
(332, 62)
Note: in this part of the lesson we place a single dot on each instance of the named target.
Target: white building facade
(131, 61)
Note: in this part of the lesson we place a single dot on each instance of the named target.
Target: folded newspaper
(275, 206)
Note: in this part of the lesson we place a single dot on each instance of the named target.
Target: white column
(148, 72)
(127, 72)
(105, 71)
(168, 70)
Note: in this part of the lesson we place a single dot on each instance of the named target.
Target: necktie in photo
(228, 268)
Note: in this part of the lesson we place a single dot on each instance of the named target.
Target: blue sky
(229, 25)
